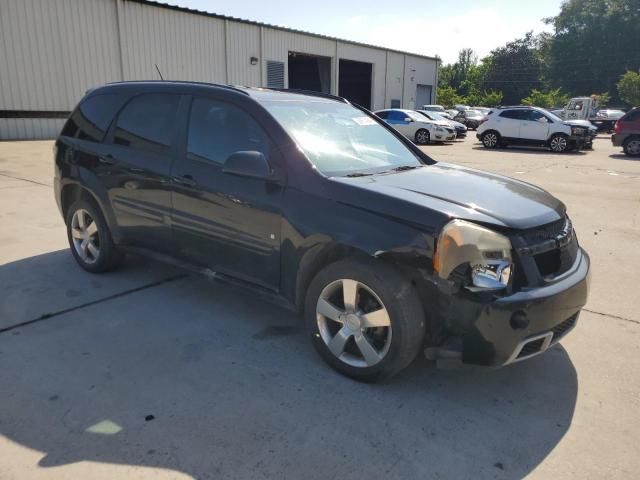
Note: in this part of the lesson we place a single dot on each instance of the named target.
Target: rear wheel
(364, 319)
(632, 146)
(90, 239)
(559, 143)
(422, 137)
(491, 139)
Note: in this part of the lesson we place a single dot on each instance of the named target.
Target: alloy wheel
(490, 139)
(558, 144)
(633, 147)
(84, 233)
(353, 323)
(422, 137)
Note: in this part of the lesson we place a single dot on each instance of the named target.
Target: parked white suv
(417, 127)
(530, 126)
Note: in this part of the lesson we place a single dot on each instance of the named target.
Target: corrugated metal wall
(52, 51)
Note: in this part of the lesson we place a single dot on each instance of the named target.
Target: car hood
(578, 123)
(466, 193)
(457, 124)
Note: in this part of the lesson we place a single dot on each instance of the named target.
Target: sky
(426, 27)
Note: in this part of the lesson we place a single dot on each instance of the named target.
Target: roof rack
(311, 93)
(513, 106)
(236, 88)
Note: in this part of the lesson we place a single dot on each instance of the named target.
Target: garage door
(423, 95)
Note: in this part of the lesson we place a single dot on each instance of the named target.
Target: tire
(90, 239)
(422, 137)
(491, 139)
(631, 147)
(559, 143)
(396, 338)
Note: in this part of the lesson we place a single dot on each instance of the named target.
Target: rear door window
(147, 122)
(91, 120)
(515, 114)
(218, 129)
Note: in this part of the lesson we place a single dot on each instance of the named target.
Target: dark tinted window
(632, 116)
(396, 115)
(147, 122)
(93, 116)
(218, 129)
(514, 114)
(383, 115)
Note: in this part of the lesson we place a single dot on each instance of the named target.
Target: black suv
(313, 201)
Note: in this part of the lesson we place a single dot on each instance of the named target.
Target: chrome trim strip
(548, 336)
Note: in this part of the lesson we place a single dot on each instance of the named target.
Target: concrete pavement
(150, 373)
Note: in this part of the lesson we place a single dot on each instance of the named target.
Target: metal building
(52, 51)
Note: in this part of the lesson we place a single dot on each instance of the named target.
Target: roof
(191, 86)
(275, 27)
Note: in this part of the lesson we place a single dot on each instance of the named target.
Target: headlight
(439, 129)
(483, 253)
(577, 131)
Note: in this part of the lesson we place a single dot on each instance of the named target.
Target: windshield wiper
(358, 174)
(402, 168)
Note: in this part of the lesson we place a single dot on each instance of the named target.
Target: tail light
(618, 128)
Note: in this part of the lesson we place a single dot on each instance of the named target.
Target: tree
(492, 98)
(448, 97)
(515, 69)
(546, 99)
(593, 45)
(629, 88)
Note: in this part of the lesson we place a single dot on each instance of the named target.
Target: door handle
(107, 160)
(185, 180)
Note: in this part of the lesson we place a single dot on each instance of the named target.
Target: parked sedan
(417, 127)
(461, 130)
(471, 118)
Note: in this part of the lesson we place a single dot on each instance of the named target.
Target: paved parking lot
(151, 373)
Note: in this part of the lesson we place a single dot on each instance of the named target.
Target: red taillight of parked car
(617, 128)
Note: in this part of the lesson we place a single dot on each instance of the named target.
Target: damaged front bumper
(504, 330)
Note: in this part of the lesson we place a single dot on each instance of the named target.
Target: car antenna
(159, 73)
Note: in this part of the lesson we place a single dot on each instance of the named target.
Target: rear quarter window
(91, 120)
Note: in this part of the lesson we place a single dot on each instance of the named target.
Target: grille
(561, 329)
(556, 262)
(531, 348)
(559, 260)
(545, 232)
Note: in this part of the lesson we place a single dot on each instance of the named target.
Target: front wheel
(422, 137)
(364, 319)
(559, 143)
(631, 147)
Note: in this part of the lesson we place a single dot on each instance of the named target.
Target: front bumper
(490, 333)
(447, 137)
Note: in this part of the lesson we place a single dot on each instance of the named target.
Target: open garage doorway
(309, 72)
(355, 82)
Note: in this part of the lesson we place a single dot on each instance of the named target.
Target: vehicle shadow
(622, 156)
(526, 150)
(194, 377)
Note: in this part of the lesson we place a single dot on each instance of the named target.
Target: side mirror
(408, 120)
(247, 164)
